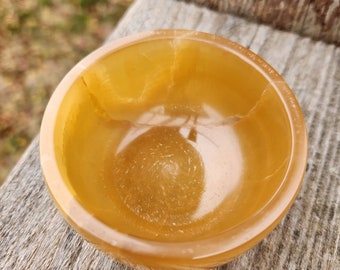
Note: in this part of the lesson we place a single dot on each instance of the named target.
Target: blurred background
(40, 41)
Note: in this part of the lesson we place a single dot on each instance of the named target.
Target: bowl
(173, 149)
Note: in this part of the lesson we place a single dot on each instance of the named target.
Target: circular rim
(254, 228)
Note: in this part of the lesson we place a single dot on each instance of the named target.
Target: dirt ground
(40, 40)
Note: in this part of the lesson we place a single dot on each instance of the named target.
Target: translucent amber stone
(175, 148)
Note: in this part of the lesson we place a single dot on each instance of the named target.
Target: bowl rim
(253, 229)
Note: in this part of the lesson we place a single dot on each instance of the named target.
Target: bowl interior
(173, 139)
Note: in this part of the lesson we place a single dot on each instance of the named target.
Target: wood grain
(34, 235)
(319, 19)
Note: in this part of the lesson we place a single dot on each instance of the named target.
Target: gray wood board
(35, 236)
(317, 19)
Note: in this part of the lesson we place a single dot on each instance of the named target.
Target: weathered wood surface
(319, 19)
(33, 235)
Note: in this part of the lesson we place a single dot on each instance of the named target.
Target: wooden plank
(34, 235)
(317, 19)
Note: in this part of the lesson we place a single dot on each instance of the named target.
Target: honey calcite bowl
(173, 149)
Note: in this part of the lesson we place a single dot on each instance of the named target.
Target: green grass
(39, 43)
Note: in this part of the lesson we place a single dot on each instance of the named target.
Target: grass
(40, 40)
